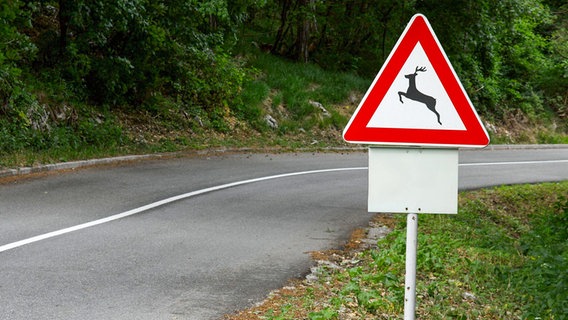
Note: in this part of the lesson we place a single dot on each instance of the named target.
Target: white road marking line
(150, 206)
(510, 163)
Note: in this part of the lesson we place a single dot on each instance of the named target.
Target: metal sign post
(412, 181)
(410, 274)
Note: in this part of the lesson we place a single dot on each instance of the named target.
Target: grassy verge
(310, 106)
(504, 256)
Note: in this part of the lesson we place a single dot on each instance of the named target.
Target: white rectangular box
(413, 180)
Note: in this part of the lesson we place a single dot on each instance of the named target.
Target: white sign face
(413, 180)
(400, 109)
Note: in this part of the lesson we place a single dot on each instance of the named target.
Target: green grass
(291, 86)
(503, 256)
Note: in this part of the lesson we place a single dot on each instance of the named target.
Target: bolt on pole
(410, 275)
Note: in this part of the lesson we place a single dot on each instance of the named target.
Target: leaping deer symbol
(413, 94)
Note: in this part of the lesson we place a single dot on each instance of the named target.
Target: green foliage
(178, 57)
(15, 50)
(543, 281)
(345, 35)
(128, 54)
(378, 285)
(34, 130)
(326, 314)
(125, 52)
(15, 47)
(509, 54)
(510, 240)
(496, 50)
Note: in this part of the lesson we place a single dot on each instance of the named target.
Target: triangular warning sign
(416, 98)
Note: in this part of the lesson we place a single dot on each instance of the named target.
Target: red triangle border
(417, 31)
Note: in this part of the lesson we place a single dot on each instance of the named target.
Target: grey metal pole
(410, 276)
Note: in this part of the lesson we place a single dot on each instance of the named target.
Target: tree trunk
(64, 16)
(304, 30)
(303, 33)
(277, 47)
(385, 22)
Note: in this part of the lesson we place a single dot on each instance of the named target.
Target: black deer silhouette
(413, 94)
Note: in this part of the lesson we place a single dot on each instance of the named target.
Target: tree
(295, 30)
(126, 51)
(337, 34)
(15, 52)
(496, 49)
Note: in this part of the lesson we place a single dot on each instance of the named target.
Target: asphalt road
(195, 237)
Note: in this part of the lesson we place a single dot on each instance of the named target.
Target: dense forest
(67, 65)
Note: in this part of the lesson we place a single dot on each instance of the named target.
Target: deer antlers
(422, 69)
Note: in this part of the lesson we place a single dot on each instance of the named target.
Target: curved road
(195, 237)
